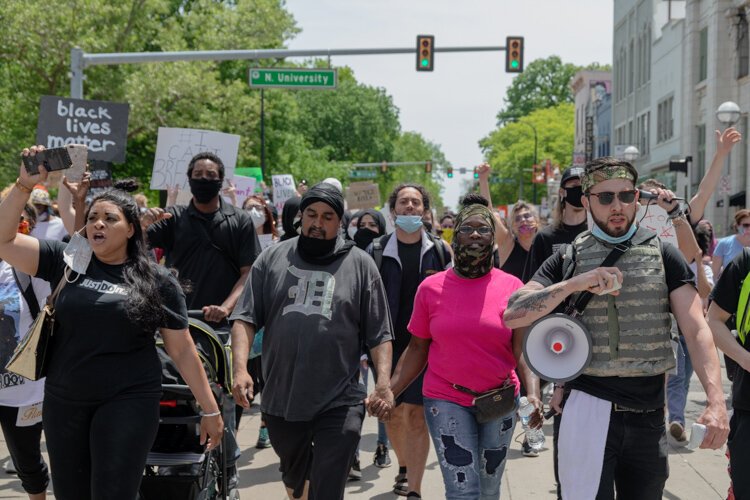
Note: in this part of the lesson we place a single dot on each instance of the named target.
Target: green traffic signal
(514, 64)
(425, 63)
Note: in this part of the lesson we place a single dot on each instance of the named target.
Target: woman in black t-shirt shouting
(101, 402)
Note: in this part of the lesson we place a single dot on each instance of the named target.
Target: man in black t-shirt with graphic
(612, 434)
(725, 303)
(407, 257)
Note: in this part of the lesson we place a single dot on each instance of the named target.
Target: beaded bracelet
(21, 187)
(214, 414)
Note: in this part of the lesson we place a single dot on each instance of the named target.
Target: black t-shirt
(207, 250)
(633, 392)
(410, 255)
(97, 352)
(726, 294)
(515, 261)
(546, 242)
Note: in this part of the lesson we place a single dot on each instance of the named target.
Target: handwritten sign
(175, 147)
(102, 126)
(655, 219)
(283, 189)
(361, 195)
(244, 187)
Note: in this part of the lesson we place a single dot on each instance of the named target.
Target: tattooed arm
(535, 301)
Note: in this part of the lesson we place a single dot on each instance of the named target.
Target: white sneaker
(677, 433)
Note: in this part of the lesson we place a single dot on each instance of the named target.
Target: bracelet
(21, 187)
(675, 214)
(214, 414)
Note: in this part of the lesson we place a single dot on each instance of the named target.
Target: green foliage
(510, 150)
(544, 83)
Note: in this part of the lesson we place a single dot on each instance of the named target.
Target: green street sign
(363, 174)
(293, 78)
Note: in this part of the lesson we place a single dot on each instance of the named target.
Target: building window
(700, 158)
(664, 120)
(642, 131)
(703, 55)
(631, 66)
(743, 47)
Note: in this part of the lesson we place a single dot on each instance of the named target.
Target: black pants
(98, 451)
(739, 453)
(24, 447)
(635, 457)
(334, 434)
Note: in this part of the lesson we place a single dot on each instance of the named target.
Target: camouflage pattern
(590, 179)
(640, 345)
(473, 262)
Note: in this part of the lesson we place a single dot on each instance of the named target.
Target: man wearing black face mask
(320, 299)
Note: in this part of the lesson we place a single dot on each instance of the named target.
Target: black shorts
(413, 394)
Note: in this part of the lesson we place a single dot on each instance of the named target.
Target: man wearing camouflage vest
(612, 435)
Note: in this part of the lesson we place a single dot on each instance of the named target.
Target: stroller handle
(198, 314)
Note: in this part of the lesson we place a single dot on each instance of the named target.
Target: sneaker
(10, 467)
(677, 432)
(528, 451)
(381, 458)
(263, 440)
(355, 473)
(401, 487)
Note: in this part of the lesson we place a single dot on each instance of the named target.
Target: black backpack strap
(440, 250)
(23, 281)
(378, 246)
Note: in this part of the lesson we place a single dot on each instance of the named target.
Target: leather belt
(621, 408)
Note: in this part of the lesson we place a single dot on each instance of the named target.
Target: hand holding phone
(51, 159)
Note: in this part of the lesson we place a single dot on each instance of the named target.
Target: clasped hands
(380, 403)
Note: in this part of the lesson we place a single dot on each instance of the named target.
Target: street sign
(363, 174)
(293, 78)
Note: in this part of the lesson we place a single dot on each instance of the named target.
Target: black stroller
(177, 467)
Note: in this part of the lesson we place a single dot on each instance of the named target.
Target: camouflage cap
(596, 175)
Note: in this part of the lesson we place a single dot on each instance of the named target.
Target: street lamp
(728, 113)
(631, 154)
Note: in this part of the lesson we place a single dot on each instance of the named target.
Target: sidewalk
(698, 475)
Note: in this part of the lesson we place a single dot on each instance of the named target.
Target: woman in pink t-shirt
(458, 332)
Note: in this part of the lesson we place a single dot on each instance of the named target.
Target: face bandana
(473, 261)
(205, 190)
(364, 237)
(573, 196)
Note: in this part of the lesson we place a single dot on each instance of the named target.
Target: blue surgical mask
(409, 223)
(600, 234)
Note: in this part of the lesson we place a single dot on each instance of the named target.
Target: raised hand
(29, 180)
(484, 170)
(726, 140)
(78, 190)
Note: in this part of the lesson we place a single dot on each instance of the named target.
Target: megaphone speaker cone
(557, 347)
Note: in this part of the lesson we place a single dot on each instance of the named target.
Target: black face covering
(573, 196)
(205, 190)
(313, 249)
(364, 237)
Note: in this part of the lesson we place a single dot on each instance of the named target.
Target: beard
(615, 233)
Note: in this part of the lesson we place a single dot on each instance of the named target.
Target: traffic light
(425, 48)
(384, 167)
(514, 54)
(450, 172)
(476, 172)
(428, 167)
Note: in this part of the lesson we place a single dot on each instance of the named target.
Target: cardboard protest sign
(102, 126)
(283, 189)
(175, 147)
(361, 195)
(244, 187)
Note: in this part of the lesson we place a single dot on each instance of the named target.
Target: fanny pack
(494, 403)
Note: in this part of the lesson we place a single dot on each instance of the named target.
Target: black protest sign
(102, 126)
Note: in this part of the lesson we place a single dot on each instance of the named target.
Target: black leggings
(24, 448)
(98, 451)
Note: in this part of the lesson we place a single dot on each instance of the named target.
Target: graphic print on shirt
(104, 286)
(313, 293)
(10, 318)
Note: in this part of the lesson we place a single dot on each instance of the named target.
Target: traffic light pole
(80, 60)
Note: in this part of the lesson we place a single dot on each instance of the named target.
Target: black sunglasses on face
(607, 197)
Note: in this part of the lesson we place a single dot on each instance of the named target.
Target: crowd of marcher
(315, 298)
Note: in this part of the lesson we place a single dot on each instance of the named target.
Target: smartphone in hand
(52, 159)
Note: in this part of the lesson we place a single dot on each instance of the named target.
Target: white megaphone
(557, 347)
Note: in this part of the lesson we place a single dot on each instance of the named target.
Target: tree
(510, 150)
(543, 84)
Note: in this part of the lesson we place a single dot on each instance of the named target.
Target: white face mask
(352, 230)
(258, 216)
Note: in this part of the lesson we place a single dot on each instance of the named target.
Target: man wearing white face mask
(404, 261)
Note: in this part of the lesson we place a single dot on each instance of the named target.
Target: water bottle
(535, 437)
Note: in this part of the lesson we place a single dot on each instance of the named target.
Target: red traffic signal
(425, 56)
(514, 54)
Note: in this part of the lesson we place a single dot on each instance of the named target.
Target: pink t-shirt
(471, 346)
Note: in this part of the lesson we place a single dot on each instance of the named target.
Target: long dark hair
(143, 305)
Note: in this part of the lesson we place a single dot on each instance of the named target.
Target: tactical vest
(639, 344)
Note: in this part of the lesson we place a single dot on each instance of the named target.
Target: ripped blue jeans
(472, 455)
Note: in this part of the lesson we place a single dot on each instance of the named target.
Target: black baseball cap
(571, 173)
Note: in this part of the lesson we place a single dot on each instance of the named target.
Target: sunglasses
(607, 197)
(470, 230)
(746, 225)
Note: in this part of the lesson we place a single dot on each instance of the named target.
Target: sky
(455, 105)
